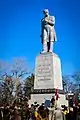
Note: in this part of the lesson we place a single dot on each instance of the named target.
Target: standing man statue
(48, 34)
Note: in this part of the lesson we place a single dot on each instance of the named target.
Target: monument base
(41, 98)
(48, 78)
(48, 72)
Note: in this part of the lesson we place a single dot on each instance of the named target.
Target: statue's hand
(46, 20)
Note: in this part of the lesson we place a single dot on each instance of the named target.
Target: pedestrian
(58, 115)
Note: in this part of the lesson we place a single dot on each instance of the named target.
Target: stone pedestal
(48, 77)
(48, 72)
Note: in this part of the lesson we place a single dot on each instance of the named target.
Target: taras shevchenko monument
(48, 34)
(48, 75)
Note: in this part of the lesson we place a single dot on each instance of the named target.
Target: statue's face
(46, 12)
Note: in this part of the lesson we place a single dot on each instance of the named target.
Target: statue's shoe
(50, 51)
(43, 52)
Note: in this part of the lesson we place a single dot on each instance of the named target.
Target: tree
(29, 85)
(76, 79)
(67, 83)
(72, 82)
(19, 68)
(11, 75)
(6, 83)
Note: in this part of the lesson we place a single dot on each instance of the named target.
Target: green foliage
(29, 85)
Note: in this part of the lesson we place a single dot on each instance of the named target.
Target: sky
(20, 30)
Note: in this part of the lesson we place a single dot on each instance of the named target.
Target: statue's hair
(46, 10)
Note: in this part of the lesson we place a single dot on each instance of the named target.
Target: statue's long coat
(48, 32)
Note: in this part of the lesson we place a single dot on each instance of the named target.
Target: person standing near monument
(53, 101)
(48, 34)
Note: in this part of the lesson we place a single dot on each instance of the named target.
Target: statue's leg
(45, 42)
(51, 46)
(48, 46)
(51, 39)
(44, 46)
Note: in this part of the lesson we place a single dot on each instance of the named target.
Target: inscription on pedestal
(44, 68)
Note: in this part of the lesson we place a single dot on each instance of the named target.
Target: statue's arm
(51, 21)
(41, 28)
(41, 31)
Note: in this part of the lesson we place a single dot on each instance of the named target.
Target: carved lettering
(44, 69)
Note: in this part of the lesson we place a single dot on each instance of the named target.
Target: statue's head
(46, 12)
